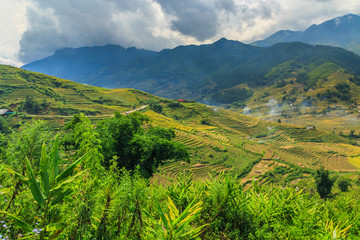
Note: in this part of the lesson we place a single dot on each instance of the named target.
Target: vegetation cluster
(92, 182)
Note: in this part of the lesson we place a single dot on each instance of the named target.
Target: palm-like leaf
(34, 185)
(53, 188)
(44, 168)
(174, 224)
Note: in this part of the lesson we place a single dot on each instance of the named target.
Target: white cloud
(12, 25)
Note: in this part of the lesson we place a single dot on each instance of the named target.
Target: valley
(218, 140)
(179, 120)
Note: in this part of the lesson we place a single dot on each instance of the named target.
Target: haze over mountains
(341, 31)
(222, 72)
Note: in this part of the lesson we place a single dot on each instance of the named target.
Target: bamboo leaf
(55, 157)
(18, 222)
(162, 215)
(191, 215)
(68, 171)
(64, 183)
(44, 166)
(174, 212)
(34, 185)
(61, 196)
(194, 233)
(184, 213)
(21, 177)
(55, 227)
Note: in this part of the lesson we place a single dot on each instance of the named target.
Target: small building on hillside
(5, 112)
(181, 100)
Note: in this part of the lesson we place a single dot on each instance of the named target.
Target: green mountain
(200, 72)
(342, 32)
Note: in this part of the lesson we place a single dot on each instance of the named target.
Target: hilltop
(341, 31)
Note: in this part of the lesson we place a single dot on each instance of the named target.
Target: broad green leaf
(64, 183)
(192, 211)
(34, 185)
(162, 215)
(18, 222)
(174, 212)
(194, 233)
(52, 227)
(55, 157)
(187, 209)
(44, 166)
(68, 171)
(55, 229)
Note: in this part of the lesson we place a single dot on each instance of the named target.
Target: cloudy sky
(33, 29)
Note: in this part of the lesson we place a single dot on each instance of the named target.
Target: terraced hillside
(327, 99)
(217, 139)
(232, 142)
(58, 97)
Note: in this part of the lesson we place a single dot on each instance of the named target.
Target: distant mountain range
(223, 72)
(341, 32)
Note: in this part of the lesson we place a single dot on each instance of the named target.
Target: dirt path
(137, 109)
(90, 116)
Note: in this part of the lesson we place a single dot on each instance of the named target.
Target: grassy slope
(65, 97)
(231, 141)
(304, 107)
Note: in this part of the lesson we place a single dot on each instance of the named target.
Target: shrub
(323, 182)
(344, 184)
(205, 121)
(156, 107)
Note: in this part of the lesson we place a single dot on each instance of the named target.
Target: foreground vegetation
(49, 192)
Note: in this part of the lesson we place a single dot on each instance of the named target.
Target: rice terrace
(143, 120)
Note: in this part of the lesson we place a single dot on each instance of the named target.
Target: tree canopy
(132, 142)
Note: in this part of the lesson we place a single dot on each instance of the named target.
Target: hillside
(201, 73)
(218, 140)
(342, 32)
(62, 97)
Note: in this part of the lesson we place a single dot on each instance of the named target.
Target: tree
(30, 105)
(352, 133)
(156, 107)
(124, 138)
(323, 182)
(3, 125)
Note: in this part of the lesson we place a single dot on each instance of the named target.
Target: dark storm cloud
(54, 24)
(228, 5)
(196, 18)
(201, 25)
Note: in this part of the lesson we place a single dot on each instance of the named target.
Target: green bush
(344, 184)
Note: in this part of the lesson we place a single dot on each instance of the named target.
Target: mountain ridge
(341, 31)
(195, 72)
